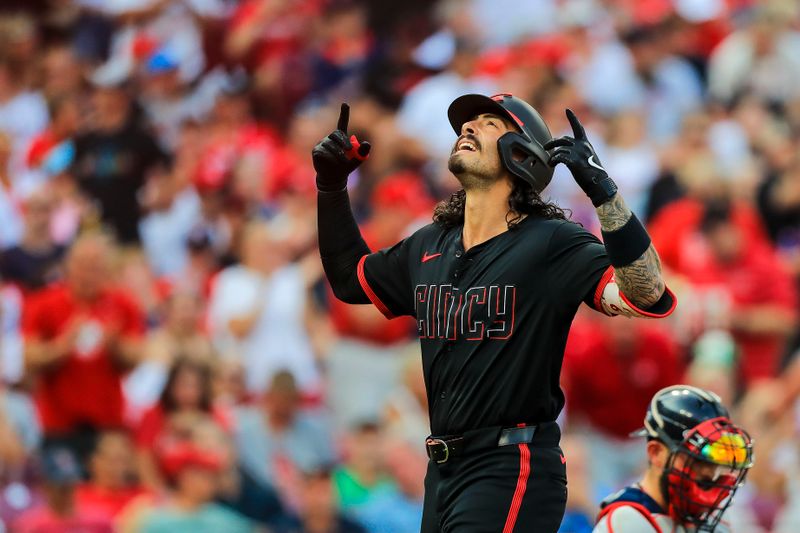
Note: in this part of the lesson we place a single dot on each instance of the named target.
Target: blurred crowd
(171, 356)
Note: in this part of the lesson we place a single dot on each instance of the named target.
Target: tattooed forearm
(641, 281)
(613, 214)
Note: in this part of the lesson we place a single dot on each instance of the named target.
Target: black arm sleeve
(341, 246)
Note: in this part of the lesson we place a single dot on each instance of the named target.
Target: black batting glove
(336, 156)
(579, 156)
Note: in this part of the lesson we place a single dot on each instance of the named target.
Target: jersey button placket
(457, 272)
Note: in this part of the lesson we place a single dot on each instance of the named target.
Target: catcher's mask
(521, 151)
(704, 471)
(709, 455)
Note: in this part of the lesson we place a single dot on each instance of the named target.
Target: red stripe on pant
(522, 484)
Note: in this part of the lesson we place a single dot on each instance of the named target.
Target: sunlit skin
(111, 464)
(88, 267)
(479, 165)
(187, 389)
(726, 242)
(485, 180)
(196, 486)
(319, 503)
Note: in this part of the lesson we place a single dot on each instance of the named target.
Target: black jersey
(493, 320)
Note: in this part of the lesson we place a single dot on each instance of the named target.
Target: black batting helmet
(531, 161)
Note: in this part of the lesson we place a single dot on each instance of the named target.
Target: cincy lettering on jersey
(451, 313)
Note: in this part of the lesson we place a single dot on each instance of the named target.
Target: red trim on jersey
(605, 279)
(362, 280)
(653, 315)
(606, 513)
(522, 484)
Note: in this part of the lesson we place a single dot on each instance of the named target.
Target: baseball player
(697, 459)
(494, 283)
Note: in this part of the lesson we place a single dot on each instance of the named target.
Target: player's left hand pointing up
(336, 156)
(579, 156)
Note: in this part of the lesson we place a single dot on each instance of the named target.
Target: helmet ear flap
(525, 159)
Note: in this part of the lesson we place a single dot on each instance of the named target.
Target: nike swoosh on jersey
(426, 257)
(593, 163)
(563, 459)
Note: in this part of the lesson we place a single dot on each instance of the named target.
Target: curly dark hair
(523, 200)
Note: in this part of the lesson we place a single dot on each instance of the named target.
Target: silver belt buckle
(446, 449)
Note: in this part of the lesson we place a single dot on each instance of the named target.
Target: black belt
(442, 449)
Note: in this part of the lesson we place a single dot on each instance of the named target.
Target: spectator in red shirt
(81, 336)
(185, 402)
(111, 468)
(611, 371)
(673, 229)
(761, 294)
(179, 335)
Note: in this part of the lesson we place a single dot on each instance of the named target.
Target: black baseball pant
(500, 489)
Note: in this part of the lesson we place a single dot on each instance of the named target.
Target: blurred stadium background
(171, 357)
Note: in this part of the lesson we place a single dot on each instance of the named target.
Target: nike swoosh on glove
(580, 158)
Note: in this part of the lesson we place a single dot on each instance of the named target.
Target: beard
(456, 164)
(471, 174)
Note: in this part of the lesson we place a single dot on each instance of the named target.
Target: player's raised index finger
(577, 127)
(344, 118)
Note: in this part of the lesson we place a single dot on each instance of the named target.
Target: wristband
(602, 191)
(627, 244)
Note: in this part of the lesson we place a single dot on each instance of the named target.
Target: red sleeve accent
(152, 424)
(42, 314)
(242, 15)
(606, 512)
(223, 418)
(362, 279)
(606, 278)
(31, 324)
(38, 149)
(653, 315)
(133, 319)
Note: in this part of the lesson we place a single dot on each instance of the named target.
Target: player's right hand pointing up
(336, 156)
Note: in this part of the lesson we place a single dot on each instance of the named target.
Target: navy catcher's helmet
(675, 410)
(709, 455)
(531, 162)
